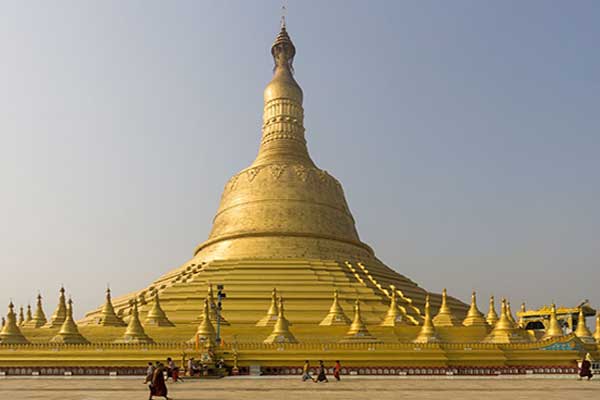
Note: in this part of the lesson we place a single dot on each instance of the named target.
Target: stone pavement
(292, 389)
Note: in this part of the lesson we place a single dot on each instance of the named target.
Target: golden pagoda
(135, 331)
(28, 315)
(358, 331)
(21, 319)
(156, 316)
(445, 317)
(69, 332)
(582, 331)
(281, 331)
(283, 222)
(474, 316)
(509, 313)
(492, 317)
(336, 314)
(60, 314)
(39, 318)
(11, 334)
(108, 317)
(427, 334)
(553, 330)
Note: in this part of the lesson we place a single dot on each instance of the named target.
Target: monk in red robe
(585, 371)
(158, 386)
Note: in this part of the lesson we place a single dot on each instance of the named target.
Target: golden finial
(11, 334)
(582, 331)
(273, 312)
(597, 332)
(283, 14)
(510, 315)
(156, 316)
(427, 334)
(492, 317)
(281, 331)
(206, 330)
(554, 329)
(445, 317)
(60, 314)
(474, 316)
(336, 314)
(28, 314)
(135, 332)
(109, 317)
(69, 332)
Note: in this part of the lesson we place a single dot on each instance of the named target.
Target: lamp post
(220, 296)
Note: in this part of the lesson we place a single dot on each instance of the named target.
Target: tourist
(322, 377)
(337, 370)
(585, 371)
(158, 386)
(306, 372)
(149, 372)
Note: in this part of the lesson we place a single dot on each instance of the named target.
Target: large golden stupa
(299, 281)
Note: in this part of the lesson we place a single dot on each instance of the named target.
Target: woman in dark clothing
(158, 386)
(322, 376)
(586, 368)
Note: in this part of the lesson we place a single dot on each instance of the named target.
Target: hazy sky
(466, 135)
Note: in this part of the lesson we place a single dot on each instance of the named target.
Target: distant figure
(306, 372)
(192, 368)
(172, 370)
(322, 375)
(337, 370)
(149, 372)
(158, 387)
(585, 371)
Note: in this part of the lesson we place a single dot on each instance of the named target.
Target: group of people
(155, 376)
(322, 375)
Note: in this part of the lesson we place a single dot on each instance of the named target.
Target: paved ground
(293, 389)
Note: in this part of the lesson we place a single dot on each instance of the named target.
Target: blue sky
(466, 135)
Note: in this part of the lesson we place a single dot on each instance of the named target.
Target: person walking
(322, 377)
(585, 371)
(158, 387)
(306, 372)
(337, 370)
(149, 372)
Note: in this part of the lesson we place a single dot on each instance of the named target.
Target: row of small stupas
(502, 329)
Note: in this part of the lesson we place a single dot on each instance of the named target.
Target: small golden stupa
(108, 316)
(393, 317)
(427, 334)
(474, 316)
(135, 332)
(206, 331)
(505, 331)
(60, 314)
(272, 313)
(11, 334)
(597, 331)
(553, 330)
(445, 317)
(358, 331)
(582, 331)
(281, 331)
(492, 317)
(156, 316)
(336, 314)
(69, 332)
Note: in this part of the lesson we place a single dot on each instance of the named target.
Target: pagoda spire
(554, 329)
(281, 331)
(135, 332)
(28, 315)
(582, 331)
(39, 318)
(206, 330)
(69, 332)
(358, 331)
(510, 315)
(427, 334)
(283, 119)
(444, 316)
(60, 314)
(272, 314)
(108, 316)
(336, 314)
(492, 317)
(474, 316)
(11, 334)
(156, 316)
(597, 332)
(521, 315)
